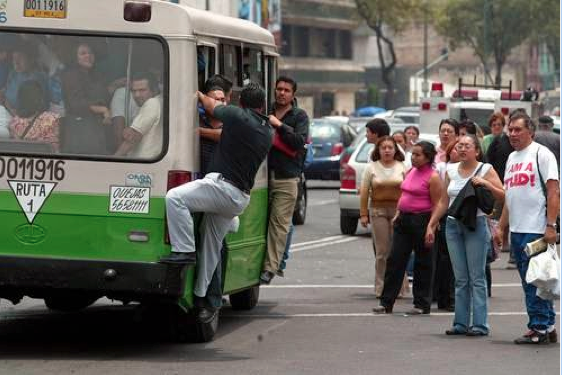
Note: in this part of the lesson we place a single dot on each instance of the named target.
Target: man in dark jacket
(285, 167)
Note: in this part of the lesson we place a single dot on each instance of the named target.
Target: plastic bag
(544, 273)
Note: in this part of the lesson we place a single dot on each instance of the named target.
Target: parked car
(351, 173)
(329, 140)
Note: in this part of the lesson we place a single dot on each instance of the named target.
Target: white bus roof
(168, 19)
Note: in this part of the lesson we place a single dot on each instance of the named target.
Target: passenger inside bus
(86, 104)
(33, 121)
(25, 67)
(144, 137)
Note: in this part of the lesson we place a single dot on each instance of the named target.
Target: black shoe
(454, 332)
(449, 308)
(266, 276)
(206, 316)
(532, 337)
(474, 333)
(553, 337)
(179, 258)
(382, 310)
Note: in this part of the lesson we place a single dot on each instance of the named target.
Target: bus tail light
(442, 106)
(347, 178)
(175, 179)
(425, 106)
(337, 149)
(137, 11)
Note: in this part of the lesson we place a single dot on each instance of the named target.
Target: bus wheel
(246, 299)
(69, 302)
(184, 327)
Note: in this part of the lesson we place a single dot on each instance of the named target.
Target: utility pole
(486, 40)
(207, 4)
(425, 85)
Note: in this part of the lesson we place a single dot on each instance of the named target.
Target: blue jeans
(541, 312)
(468, 250)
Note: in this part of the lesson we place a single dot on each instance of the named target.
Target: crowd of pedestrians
(456, 208)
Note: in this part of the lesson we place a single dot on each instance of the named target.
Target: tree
(386, 18)
(492, 28)
(545, 20)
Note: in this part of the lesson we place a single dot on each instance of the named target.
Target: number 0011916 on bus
(45, 8)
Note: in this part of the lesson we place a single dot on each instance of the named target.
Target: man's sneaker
(553, 336)
(266, 276)
(179, 258)
(532, 337)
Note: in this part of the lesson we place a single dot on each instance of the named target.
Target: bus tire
(246, 299)
(348, 224)
(69, 302)
(184, 327)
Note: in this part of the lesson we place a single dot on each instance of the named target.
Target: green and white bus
(78, 223)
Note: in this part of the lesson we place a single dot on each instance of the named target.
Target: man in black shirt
(224, 192)
(546, 137)
(285, 164)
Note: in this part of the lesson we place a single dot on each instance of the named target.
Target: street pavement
(315, 320)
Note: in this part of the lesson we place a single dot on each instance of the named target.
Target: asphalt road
(316, 320)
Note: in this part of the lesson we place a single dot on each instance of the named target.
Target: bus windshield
(82, 96)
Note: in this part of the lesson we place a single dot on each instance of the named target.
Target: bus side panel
(81, 227)
(246, 248)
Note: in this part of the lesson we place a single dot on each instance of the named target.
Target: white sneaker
(234, 225)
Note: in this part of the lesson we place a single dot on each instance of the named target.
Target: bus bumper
(36, 277)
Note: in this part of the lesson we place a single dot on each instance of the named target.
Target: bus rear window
(81, 96)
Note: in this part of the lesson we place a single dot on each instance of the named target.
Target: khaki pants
(282, 198)
(382, 233)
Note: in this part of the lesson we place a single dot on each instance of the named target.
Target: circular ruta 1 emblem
(30, 234)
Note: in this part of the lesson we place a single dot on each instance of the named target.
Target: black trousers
(444, 280)
(409, 234)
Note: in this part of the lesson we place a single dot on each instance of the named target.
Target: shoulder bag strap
(28, 128)
(543, 184)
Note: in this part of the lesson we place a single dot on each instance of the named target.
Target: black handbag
(469, 199)
(484, 199)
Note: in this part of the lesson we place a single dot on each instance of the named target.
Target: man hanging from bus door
(223, 193)
(219, 88)
(291, 125)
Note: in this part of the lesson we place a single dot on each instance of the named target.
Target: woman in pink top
(421, 191)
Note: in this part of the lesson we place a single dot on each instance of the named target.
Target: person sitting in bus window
(143, 139)
(84, 93)
(25, 68)
(33, 121)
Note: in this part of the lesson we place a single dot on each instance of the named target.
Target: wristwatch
(552, 225)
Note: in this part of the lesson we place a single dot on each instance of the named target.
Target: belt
(246, 191)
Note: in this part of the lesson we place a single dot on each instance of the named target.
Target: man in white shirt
(531, 207)
(143, 139)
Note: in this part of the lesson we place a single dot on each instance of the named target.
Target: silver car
(351, 173)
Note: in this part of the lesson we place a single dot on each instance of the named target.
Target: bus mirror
(137, 11)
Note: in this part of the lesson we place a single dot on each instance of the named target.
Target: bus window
(230, 63)
(85, 96)
(252, 67)
(271, 78)
(205, 64)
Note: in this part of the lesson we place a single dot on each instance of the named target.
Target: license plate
(44, 8)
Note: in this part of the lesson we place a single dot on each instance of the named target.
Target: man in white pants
(223, 193)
